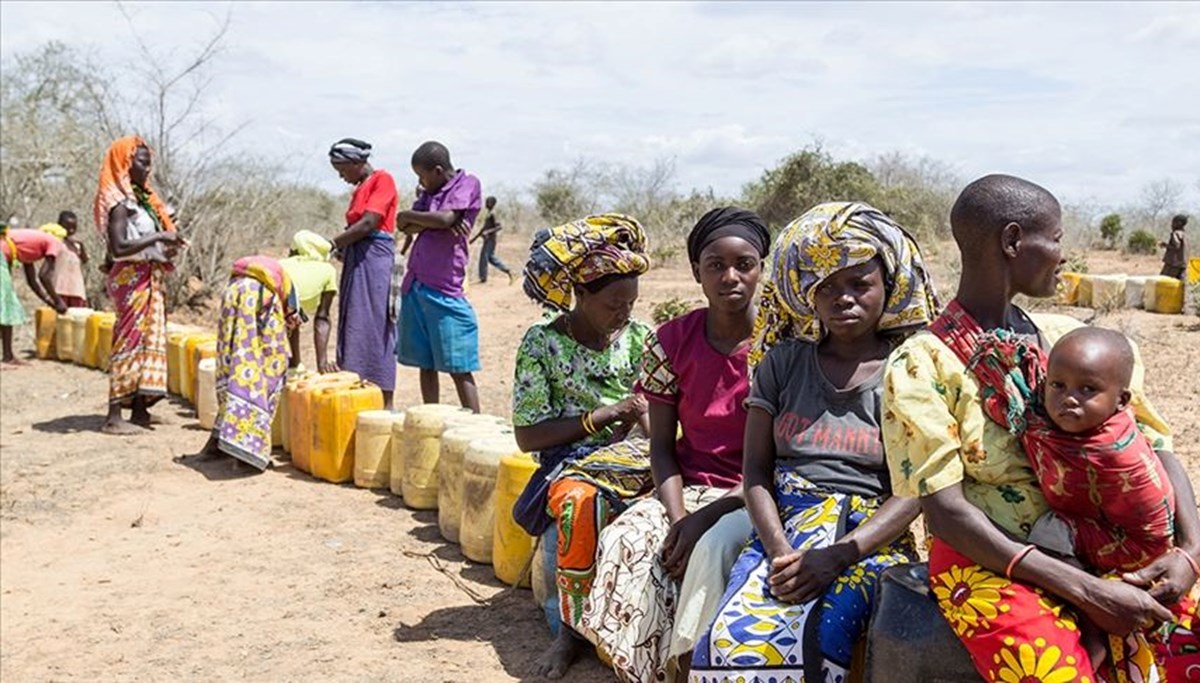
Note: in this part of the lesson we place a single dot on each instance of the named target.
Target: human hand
(59, 308)
(681, 539)
(171, 238)
(1168, 578)
(1120, 608)
(799, 577)
(462, 229)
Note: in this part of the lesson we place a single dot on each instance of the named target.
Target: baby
(1112, 503)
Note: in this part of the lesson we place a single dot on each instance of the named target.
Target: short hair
(65, 215)
(1111, 341)
(1180, 218)
(489, 198)
(432, 154)
(985, 206)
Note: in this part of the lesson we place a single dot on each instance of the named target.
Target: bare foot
(119, 427)
(144, 420)
(563, 652)
(14, 364)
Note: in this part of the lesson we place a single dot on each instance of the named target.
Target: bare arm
(758, 481)
(567, 430)
(294, 347)
(668, 480)
(429, 220)
(120, 246)
(321, 333)
(41, 281)
(1111, 604)
(1171, 576)
(81, 250)
(891, 520)
(361, 228)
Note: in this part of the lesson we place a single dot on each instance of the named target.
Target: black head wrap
(349, 150)
(728, 221)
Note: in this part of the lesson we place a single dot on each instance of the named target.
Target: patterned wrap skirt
(139, 351)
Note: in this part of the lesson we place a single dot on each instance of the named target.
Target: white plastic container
(206, 392)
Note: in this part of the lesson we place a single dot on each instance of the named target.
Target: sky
(1093, 101)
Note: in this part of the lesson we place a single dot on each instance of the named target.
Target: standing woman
(142, 242)
(258, 311)
(846, 285)
(573, 400)
(366, 342)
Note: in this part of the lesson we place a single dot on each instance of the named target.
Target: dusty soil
(119, 563)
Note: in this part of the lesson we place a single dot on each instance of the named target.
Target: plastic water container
(423, 427)
(206, 348)
(335, 416)
(44, 322)
(1083, 296)
(1163, 295)
(300, 415)
(480, 468)
(449, 470)
(91, 338)
(187, 371)
(64, 333)
(1108, 291)
(543, 580)
(105, 345)
(512, 548)
(1193, 270)
(175, 359)
(79, 318)
(206, 392)
(1068, 289)
(281, 412)
(1135, 289)
(373, 448)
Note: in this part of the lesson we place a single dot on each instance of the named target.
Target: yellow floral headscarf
(581, 252)
(828, 238)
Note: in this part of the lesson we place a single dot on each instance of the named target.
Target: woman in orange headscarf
(142, 241)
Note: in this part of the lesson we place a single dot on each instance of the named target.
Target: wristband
(1191, 560)
(1012, 564)
(589, 426)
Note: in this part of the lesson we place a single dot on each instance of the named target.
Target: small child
(1175, 256)
(1112, 505)
(68, 272)
(490, 232)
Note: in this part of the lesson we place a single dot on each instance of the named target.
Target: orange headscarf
(116, 187)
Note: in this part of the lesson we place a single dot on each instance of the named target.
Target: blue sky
(1091, 100)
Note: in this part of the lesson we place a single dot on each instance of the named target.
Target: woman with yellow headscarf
(845, 284)
(142, 242)
(316, 283)
(573, 401)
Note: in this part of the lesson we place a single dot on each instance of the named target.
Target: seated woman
(1009, 603)
(258, 310)
(694, 376)
(846, 284)
(572, 398)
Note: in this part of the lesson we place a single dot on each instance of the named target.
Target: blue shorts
(437, 332)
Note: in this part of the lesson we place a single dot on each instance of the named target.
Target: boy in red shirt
(28, 247)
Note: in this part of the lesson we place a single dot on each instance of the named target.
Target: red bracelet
(1191, 560)
(1012, 564)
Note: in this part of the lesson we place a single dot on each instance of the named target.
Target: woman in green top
(573, 402)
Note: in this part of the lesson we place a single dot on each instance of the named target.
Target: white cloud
(1090, 99)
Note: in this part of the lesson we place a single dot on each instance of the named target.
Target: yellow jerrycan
(187, 371)
(105, 345)
(1163, 295)
(455, 441)
(301, 418)
(335, 416)
(373, 448)
(419, 450)
(44, 320)
(206, 393)
(281, 425)
(90, 356)
(480, 467)
(79, 318)
(175, 358)
(512, 548)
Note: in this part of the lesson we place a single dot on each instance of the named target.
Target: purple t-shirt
(439, 257)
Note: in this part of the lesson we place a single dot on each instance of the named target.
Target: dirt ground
(118, 563)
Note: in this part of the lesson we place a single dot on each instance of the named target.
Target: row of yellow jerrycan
(1154, 293)
(81, 336)
(466, 466)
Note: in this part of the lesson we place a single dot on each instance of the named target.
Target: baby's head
(1087, 378)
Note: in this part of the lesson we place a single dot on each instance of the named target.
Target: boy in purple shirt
(438, 330)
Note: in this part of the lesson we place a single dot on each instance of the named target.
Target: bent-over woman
(846, 283)
(694, 376)
(142, 242)
(257, 312)
(573, 402)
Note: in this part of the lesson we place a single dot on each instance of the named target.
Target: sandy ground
(118, 563)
